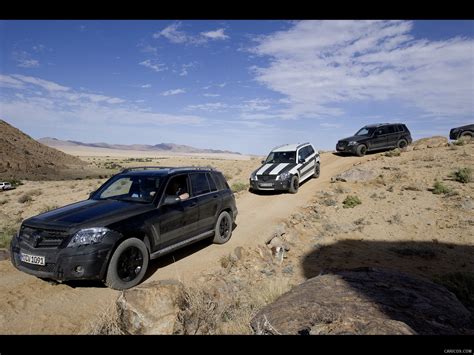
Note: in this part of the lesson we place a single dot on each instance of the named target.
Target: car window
(177, 186)
(199, 184)
(391, 129)
(212, 183)
(281, 157)
(310, 150)
(303, 153)
(365, 131)
(130, 188)
(220, 181)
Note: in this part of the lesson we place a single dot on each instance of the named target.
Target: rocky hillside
(22, 157)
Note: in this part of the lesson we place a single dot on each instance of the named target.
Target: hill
(22, 157)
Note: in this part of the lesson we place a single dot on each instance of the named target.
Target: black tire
(223, 228)
(361, 150)
(128, 264)
(466, 134)
(317, 170)
(294, 185)
(402, 143)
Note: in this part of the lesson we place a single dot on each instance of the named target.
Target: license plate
(341, 148)
(32, 259)
(266, 184)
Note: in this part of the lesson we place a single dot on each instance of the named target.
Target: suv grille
(342, 144)
(49, 267)
(266, 178)
(42, 238)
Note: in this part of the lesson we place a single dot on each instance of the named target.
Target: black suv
(376, 137)
(463, 131)
(137, 215)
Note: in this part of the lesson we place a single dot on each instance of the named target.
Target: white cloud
(153, 64)
(321, 65)
(209, 107)
(211, 95)
(145, 86)
(215, 35)
(59, 105)
(174, 34)
(184, 69)
(173, 92)
(45, 84)
(330, 125)
(24, 60)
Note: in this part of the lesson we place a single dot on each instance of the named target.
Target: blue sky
(245, 86)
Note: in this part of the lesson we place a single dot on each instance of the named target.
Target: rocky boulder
(150, 308)
(365, 301)
(355, 175)
(431, 142)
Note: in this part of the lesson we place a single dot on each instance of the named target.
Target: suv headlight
(283, 176)
(88, 236)
(253, 177)
(352, 143)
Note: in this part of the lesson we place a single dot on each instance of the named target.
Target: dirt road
(29, 305)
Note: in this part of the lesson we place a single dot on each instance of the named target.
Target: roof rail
(301, 144)
(145, 168)
(166, 167)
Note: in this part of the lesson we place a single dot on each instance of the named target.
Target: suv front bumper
(87, 262)
(270, 185)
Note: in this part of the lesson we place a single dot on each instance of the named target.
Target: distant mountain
(161, 147)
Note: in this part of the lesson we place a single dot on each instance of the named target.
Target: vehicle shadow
(274, 192)
(451, 265)
(347, 155)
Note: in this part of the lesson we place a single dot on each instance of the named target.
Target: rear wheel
(317, 170)
(128, 264)
(402, 143)
(361, 150)
(294, 185)
(466, 134)
(223, 228)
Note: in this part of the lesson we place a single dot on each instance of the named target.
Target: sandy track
(29, 305)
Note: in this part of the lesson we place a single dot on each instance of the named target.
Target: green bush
(351, 202)
(463, 175)
(26, 197)
(15, 182)
(239, 186)
(6, 234)
(440, 188)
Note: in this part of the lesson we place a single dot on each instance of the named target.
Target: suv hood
(275, 169)
(354, 138)
(88, 213)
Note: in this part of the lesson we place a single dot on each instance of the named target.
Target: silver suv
(286, 167)
(5, 186)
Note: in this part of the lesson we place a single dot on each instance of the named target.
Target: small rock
(288, 269)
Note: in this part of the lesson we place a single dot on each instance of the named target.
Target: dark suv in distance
(463, 131)
(376, 137)
(137, 215)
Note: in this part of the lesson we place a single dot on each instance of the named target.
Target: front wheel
(361, 150)
(294, 185)
(317, 170)
(128, 264)
(223, 228)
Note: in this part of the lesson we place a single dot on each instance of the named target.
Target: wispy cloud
(174, 34)
(209, 107)
(173, 92)
(215, 35)
(145, 86)
(211, 95)
(184, 69)
(153, 64)
(31, 99)
(24, 60)
(321, 65)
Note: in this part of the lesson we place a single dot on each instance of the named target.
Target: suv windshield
(281, 157)
(130, 188)
(365, 131)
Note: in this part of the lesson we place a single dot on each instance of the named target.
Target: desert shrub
(106, 323)
(26, 197)
(6, 234)
(393, 153)
(351, 202)
(463, 175)
(15, 182)
(239, 186)
(4, 201)
(48, 208)
(35, 192)
(440, 188)
(462, 141)
(461, 284)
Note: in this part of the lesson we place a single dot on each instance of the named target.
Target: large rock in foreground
(431, 142)
(365, 301)
(150, 308)
(355, 175)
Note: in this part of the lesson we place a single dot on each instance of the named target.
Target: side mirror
(263, 162)
(302, 160)
(171, 200)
